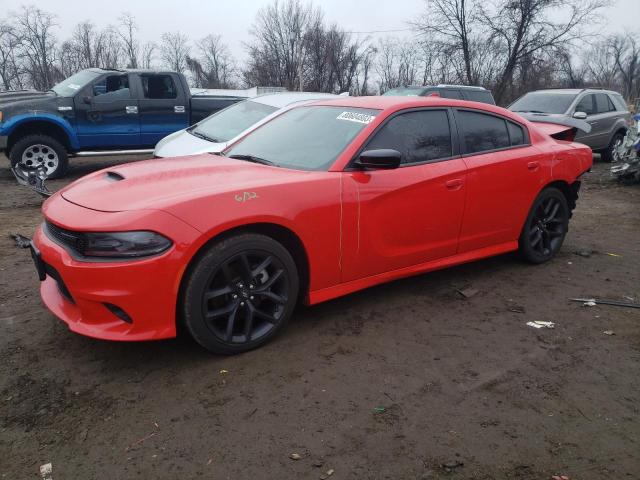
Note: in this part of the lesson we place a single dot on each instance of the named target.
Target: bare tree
(148, 54)
(38, 46)
(398, 63)
(174, 51)
(127, 33)
(10, 44)
(626, 52)
(214, 68)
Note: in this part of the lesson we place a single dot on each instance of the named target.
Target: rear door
(163, 106)
(606, 117)
(587, 104)
(505, 174)
(107, 113)
(398, 218)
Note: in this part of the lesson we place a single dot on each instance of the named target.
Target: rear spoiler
(560, 128)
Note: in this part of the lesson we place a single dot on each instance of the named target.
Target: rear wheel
(546, 226)
(610, 154)
(40, 154)
(240, 293)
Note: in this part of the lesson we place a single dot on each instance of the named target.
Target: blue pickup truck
(98, 112)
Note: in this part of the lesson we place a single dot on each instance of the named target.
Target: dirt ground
(390, 383)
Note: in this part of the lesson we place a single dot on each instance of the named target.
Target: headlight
(123, 244)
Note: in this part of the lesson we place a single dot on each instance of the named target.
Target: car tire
(239, 293)
(610, 154)
(33, 151)
(545, 228)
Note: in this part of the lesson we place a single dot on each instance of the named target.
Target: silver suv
(604, 110)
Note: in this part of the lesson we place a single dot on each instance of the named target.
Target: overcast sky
(233, 18)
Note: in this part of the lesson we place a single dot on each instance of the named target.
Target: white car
(216, 132)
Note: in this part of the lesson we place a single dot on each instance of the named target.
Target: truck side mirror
(87, 99)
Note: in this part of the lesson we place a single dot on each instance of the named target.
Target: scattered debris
(560, 477)
(609, 332)
(327, 474)
(541, 324)
(452, 465)
(21, 240)
(468, 292)
(584, 253)
(614, 255)
(46, 470)
(603, 301)
(590, 303)
(138, 442)
(516, 309)
(379, 409)
(295, 456)
(223, 371)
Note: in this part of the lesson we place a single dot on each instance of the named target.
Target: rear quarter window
(482, 132)
(479, 96)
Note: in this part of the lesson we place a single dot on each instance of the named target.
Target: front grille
(74, 241)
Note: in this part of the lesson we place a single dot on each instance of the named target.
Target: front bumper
(82, 294)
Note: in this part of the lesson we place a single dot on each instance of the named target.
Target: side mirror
(383, 159)
(580, 115)
(87, 99)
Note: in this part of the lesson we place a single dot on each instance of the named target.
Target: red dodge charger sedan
(323, 200)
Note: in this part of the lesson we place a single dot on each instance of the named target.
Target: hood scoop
(113, 176)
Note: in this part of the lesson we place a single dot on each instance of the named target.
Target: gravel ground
(409, 380)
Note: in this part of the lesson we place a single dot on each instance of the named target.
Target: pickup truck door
(107, 113)
(164, 106)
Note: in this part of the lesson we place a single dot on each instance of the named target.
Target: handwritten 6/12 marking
(246, 196)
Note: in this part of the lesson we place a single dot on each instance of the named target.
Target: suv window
(419, 136)
(603, 103)
(158, 87)
(111, 87)
(482, 132)
(587, 105)
(619, 102)
(450, 93)
(479, 96)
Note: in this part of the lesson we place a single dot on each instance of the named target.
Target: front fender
(14, 122)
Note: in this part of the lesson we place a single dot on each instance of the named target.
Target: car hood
(23, 96)
(162, 183)
(183, 143)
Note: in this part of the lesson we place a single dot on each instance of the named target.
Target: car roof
(283, 99)
(572, 91)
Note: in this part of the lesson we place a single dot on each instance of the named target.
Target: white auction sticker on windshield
(356, 117)
(73, 86)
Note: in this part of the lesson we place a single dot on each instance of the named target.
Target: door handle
(179, 109)
(454, 184)
(533, 166)
(131, 109)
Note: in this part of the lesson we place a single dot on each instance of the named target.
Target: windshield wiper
(195, 133)
(252, 158)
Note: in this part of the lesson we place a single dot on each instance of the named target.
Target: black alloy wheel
(240, 294)
(546, 226)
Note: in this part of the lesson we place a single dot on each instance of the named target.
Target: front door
(107, 114)
(410, 215)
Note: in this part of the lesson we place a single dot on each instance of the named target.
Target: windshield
(228, 123)
(70, 86)
(543, 102)
(305, 138)
(405, 92)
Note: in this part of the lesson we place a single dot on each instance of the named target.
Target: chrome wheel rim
(615, 155)
(39, 157)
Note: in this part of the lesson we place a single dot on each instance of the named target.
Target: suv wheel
(610, 154)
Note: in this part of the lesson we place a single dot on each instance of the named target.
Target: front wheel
(611, 154)
(240, 293)
(546, 226)
(39, 153)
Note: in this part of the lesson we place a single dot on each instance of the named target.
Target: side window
(603, 104)
(516, 134)
(158, 87)
(450, 93)
(112, 87)
(482, 132)
(479, 96)
(587, 105)
(619, 102)
(419, 136)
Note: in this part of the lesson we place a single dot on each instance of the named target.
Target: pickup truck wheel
(610, 154)
(35, 152)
